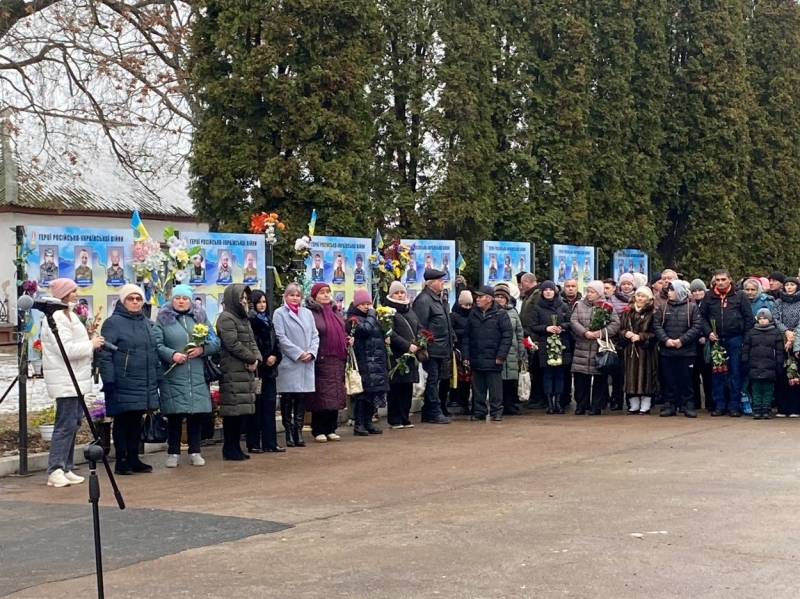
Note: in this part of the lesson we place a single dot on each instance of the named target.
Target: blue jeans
(431, 408)
(733, 377)
(553, 380)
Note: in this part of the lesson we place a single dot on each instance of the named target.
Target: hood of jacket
(461, 310)
(167, 314)
(352, 310)
(121, 310)
(400, 307)
(232, 297)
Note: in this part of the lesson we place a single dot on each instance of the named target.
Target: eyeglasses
(134, 298)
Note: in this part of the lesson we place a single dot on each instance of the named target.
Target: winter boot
(368, 410)
(299, 416)
(286, 419)
(122, 466)
(557, 407)
(634, 402)
(359, 429)
(766, 413)
(667, 410)
(551, 409)
(757, 413)
(688, 410)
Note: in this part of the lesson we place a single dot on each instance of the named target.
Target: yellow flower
(200, 330)
(182, 257)
(398, 273)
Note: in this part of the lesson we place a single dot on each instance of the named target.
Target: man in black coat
(487, 341)
(727, 317)
(434, 315)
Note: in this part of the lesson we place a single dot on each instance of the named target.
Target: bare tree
(78, 74)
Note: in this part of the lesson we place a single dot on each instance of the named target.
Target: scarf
(292, 307)
(335, 339)
(547, 303)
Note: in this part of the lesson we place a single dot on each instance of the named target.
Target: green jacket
(517, 351)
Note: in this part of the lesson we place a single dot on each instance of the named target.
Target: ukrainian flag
(139, 232)
(378, 240)
(461, 264)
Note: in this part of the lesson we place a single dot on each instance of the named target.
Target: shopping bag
(352, 378)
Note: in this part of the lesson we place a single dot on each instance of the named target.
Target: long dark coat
(641, 358)
(267, 344)
(370, 350)
(542, 318)
(488, 338)
(405, 330)
(131, 373)
(329, 390)
(239, 349)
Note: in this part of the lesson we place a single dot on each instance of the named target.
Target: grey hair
(528, 277)
(291, 288)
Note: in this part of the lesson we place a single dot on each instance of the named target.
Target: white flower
(173, 241)
(173, 251)
(180, 275)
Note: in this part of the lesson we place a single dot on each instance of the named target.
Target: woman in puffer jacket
(517, 353)
(80, 350)
(369, 347)
(184, 392)
(405, 330)
(786, 313)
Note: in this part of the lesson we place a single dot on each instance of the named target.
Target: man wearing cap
(487, 341)
(49, 270)
(434, 315)
(727, 317)
(776, 280)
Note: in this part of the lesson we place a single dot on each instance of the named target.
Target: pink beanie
(361, 296)
(61, 288)
(627, 277)
(598, 287)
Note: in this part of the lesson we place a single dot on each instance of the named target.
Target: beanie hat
(598, 287)
(548, 285)
(644, 290)
(764, 282)
(787, 280)
(639, 280)
(127, 289)
(698, 285)
(61, 288)
(681, 289)
(464, 298)
(316, 288)
(764, 313)
(627, 277)
(778, 276)
(395, 287)
(361, 296)
(183, 290)
(655, 278)
(503, 289)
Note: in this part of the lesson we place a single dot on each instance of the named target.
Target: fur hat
(61, 288)
(361, 296)
(127, 289)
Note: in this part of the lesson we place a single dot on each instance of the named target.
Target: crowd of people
(630, 343)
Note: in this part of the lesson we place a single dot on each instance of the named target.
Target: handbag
(524, 385)
(257, 385)
(352, 378)
(211, 371)
(154, 428)
(606, 361)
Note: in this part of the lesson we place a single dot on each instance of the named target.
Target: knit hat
(787, 280)
(317, 287)
(183, 290)
(361, 296)
(681, 289)
(698, 285)
(644, 290)
(61, 288)
(627, 277)
(764, 313)
(395, 287)
(778, 276)
(548, 285)
(639, 279)
(764, 282)
(503, 289)
(464, 298)
(655, 278)
(597, 286)
(127, 289)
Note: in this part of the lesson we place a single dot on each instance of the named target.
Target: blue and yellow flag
(139, 232)
(378, 240)
(461, 264)
(312, 224)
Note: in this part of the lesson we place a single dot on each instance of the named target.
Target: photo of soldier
(197, 269)
(339, 299)
(359, 278)
(115, 272)
(224, 268)
(411, 269)
(84, 276)
(446, 267)
(48, 264)
(338, 270)
(250, 270)
(507, 268)
(317, 271)
(199, 301)
(492, 267)
(111, 303)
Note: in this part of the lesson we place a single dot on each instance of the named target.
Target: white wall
(8, 221)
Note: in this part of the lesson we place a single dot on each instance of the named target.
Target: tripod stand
(93, 454)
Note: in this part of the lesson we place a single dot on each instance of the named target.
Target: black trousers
(618, 383)
(464, 389)
(231, 435)
(127, 431)
(537, 385)
(591, 391)
(261, 429)
(398, 403)
(324, 422)
(194, 426)
(787, 396)
(444, 395)
(510, 394)
(702, 370)
(566, 395)
(677, 380)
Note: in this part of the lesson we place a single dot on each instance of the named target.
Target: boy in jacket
(762, 358)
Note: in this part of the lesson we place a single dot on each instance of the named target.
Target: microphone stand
(93, 453)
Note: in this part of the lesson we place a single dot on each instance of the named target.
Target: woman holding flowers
(299, 341)
(551, 324)
(370, 350)
(184, 337)
(405, 346)
(592, 319)
(80, 350)
(640, 351)
(329, 394)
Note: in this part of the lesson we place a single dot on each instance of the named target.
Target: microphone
(47, 305)
(110, 346)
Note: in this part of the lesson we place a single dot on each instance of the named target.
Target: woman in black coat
(548, 309)
(130, 376)
(458, 319)
(369, 347)
(405, 330)
(262, 433)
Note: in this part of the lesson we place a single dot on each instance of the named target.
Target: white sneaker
(172, 461)
(794, 415)
(334, 437)
(396, 426)
(779, 415)
(57, 479)
(73, 478)
(409, 426)
(195, 459)
(321, 439)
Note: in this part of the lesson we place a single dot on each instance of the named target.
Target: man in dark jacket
(487, 341)
(677, 327)
(434, 315)
(727, 317)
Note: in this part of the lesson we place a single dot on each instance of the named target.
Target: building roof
(100, 187)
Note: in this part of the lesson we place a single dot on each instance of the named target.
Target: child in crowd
(762, 357)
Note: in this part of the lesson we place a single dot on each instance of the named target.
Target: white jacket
(79, 351)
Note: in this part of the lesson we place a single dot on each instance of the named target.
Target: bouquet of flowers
(90, 322)
(601, 316)
(268, 224)
(719, 357)
(529, 345)
(156, 264)
(791, 371)
(390, 263)
(555, 346)
(97, 409)
(198, 337)
(386, 319)
(30, 287)
(423, 339)
(37, 347)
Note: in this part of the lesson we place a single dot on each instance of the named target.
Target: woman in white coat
(79, 349)
(299, 341)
